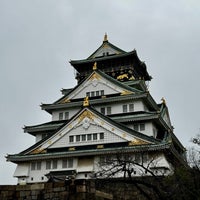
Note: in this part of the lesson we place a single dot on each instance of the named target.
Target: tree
(182, 184)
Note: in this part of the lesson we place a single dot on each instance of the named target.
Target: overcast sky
(39, 37)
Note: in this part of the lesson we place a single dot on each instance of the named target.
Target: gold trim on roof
(94, 76)
(65, 100)
(87, 114)
(126, 92)
(86, 101)
(121, 77)
(105, 37)
(137, 142)
(94, 66)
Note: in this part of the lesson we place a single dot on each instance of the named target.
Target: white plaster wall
(72, 112)
(38, 174)
(97, 86)
(109, 137)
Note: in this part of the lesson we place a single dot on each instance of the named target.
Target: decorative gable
(88, 128)
(96, 85)
(106, 49)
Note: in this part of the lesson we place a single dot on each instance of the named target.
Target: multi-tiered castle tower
(109, 110)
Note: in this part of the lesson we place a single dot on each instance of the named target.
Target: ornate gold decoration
(124, 135)
(86, 101)
(94, 76)
(102, 123)
(131, 78)
(72, 149)
(38, 150)
(121, 77)
(87, 114)
(126, 92)
(103, 97)
(70, 126)
(113, 129)
(94, 66)
(105, 38)
(137, 142)
(66, 100)
(100, 146)
(49, 142)
(163, 100)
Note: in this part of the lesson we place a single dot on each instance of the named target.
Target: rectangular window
(102, 110)
(78, 137)
(131, 107)
(71, 138)
(142, 127)
(38, 165)
(55, 164)
(60, 116)
(83, 137)
(102, 92)
(97, 93)
(125, 109)
(33, 166)
(66, 115)
(48, 164)
(89, 137)
(92, 94)
(67, 163)
(88, 94)
(70, 162)
(101, 136)
(108, 110)
(64, 163)
(135, 127)
(94, 136)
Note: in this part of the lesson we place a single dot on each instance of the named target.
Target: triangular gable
(106, 49)
(88, 121)
(98, 84)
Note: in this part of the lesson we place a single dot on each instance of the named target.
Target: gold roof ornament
(95, 66)
(86, 101)
(105, 38)
(163, 100)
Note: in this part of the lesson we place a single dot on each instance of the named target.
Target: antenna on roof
(105, 38)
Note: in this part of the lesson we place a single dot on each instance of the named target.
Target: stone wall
(82, 190)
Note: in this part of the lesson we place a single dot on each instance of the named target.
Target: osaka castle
(110, 110)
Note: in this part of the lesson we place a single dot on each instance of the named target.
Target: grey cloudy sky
(39, 37)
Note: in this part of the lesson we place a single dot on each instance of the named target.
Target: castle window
(88, 94)
(67, 163)
(71, 138)
(83, 137)
(92, 94)
(36, 166)
(102, 92)
(94, 136)
(139, 127)
(78, 138)
(101, 136)
(89, 137)
(33, 166)
(142, 127)
(125, 110)
(48, 164)
(131, 107)
(108, 110)
(55, 164)
(128, 108)
(97, 93)
(61, 116)
(105, 111)
(66, 115)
